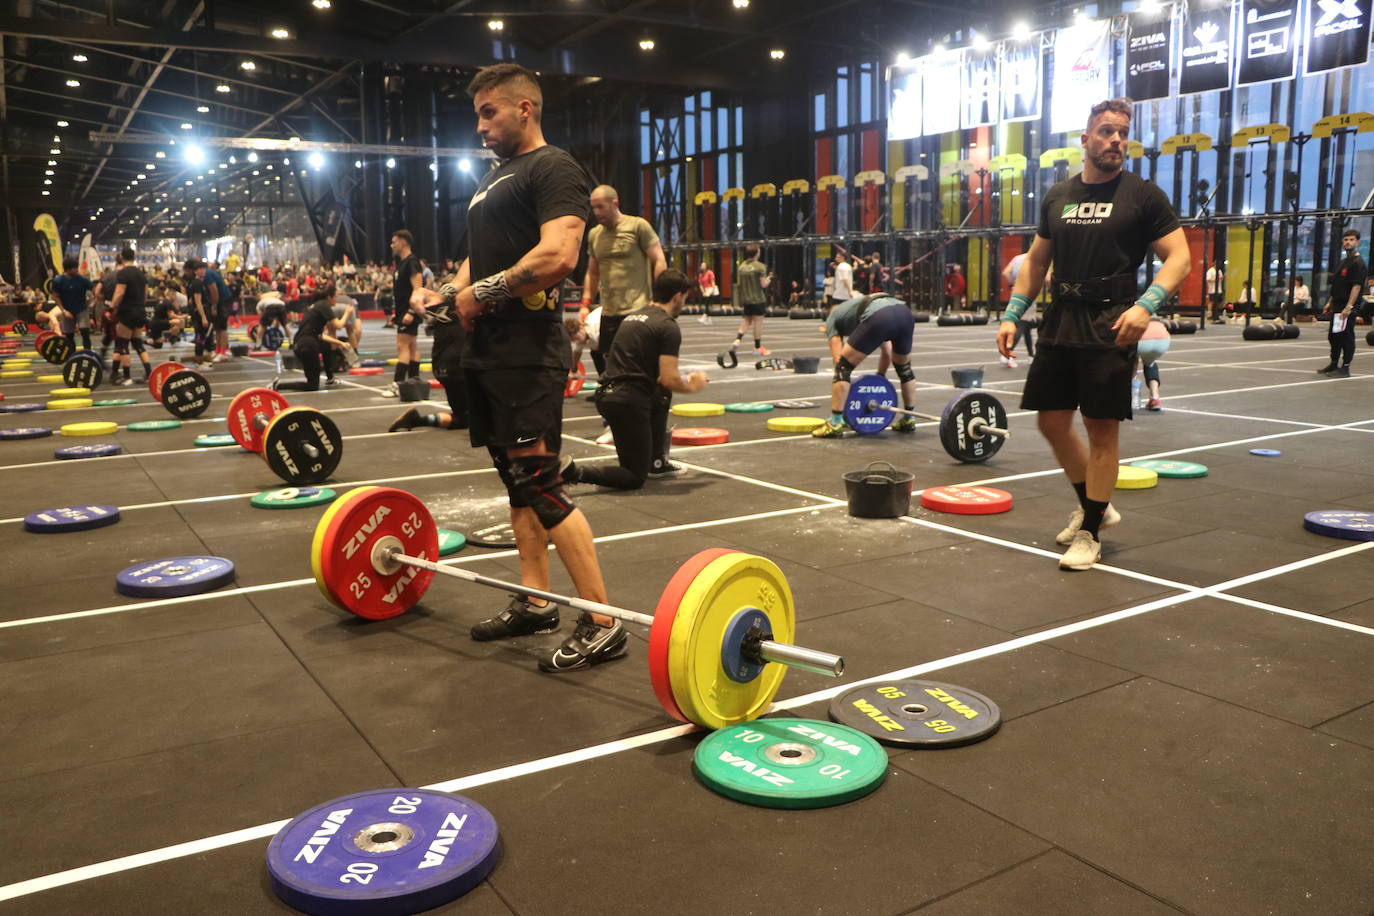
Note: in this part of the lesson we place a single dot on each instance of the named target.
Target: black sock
(415, 370)
(399, 375)
(1092, 516)
(1081, 488)
(126, 370)
(758, 343)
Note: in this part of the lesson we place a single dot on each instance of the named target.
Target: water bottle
(1136, 398)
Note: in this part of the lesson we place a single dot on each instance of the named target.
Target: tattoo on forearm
(523, 276)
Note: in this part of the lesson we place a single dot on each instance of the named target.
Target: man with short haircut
(220, 300)
(409, 278)
(73, 297)
(130, 307)
(1348, 282)
(624, 256)
(637, 389)
(525, 227)
(751, 279)
(855, 329)
(1097, 228)
(844, 280)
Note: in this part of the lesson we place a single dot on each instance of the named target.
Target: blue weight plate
(21, 408)
(370, 363)
(100, 450)
(1266, 452)
(384, 851)
(26, 432)
(863, 411)
(70, 518)
(1341, 523)
(174, 577)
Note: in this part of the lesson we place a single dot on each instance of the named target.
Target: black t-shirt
(644, 336)
(107, 285)
(1351, 272)
(504, 216)
(313, 322)
(135, 288)
(196, 287)
(162, 310)
(401, 287)
(1098, 230)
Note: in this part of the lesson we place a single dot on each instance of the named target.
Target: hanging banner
(1205, 40)
(1020, 77)
(1338, 34)
(1149, 41)
(904, 102)
(1268, 41)
(940, 98)
(979, 89)
(1078, 79)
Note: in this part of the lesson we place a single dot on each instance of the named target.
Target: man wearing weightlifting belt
(856, 328)
(525, 227)
(637, 389)
(1097, 228)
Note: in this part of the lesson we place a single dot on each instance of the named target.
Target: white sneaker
(1109, 518)
(221, 357)
(1083, 552)
(1009, 363)
(606, 438)
(390, 391)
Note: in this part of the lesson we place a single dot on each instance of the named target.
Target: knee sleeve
(538, 484)
(843, 369)
(502, 465)
(137, 343)
(905, 373)
(1152, 372)
(121, 346)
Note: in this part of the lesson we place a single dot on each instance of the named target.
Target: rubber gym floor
(1188, 727)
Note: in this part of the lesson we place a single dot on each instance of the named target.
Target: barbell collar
(980, 428)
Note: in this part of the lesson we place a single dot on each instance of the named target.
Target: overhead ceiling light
(52, 162)
(903, 58)
(777, 54)
(357, 163)
(141, 176)
(646, 44)
(185, 125)
(159, 155)
(496, 25)
(56, 138)
(47, 181)
(188, 182)
(280, 33)
(390, 163)
(980, 42)
(285, 160)
(49, 172)
(248, 65)
(256, 172)
(1149, 6)
(938, 49)
(233, 161)
(63, 124)
(203, 109)
(45, 193)
(73, 84)
(740, 4)
(80, 58)
(253, 157)
(320, 4)
(54, 152)
(222, 87)
(465, 165)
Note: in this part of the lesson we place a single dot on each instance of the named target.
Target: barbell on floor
(973, 425)
(722, 618)
(300, 444)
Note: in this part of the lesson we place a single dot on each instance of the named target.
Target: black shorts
(220, 320)
(413, 329)
(1094, 381)
(890, 323)
(755, 309)
(132, 319)
(516, 407)
(158, 328)
(272, 313)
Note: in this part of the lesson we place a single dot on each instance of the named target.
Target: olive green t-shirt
(621, 252)
(749, 281)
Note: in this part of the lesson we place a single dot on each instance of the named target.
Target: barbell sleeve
(977, 425)
(388, 558)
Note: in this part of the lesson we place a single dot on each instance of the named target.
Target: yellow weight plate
(725, 587)
(1132, 478)
(792, 424)
(18, 363)
(698, 410)
(69, 403)
(67, 392)
(15, 373)
(27, 354)
(317, 543)
(426, 367)
(392, 361)
(50, 379)
(89, 429)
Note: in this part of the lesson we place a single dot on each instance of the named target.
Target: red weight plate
(41, 336)
(246, 409)
(158, 377)
(262, 353)
(365, 370)
(967, 500)
(576, 380)
(660, 634)
(345, 551)
(700, 435)
(435, 383)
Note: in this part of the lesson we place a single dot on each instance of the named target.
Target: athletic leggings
(640, 425)
(1343, 344)
(312, 361)
(605, 337)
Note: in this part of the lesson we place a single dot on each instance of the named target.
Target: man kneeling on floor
(637, 388)
(855, 328)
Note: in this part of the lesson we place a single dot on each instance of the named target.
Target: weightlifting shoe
(589, 645)
(1109, 518)
(411, 419)
(1341, 372)
(1084, 550)
(519, 618)
(1327, 369)
(828, 430)
(905, 424)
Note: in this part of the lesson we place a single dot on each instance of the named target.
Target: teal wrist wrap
(1152, 298)
(1016, 307)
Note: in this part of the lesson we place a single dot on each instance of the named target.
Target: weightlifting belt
(1096, 290)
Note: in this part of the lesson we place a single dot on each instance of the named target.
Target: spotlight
(280, 33)
(777, 54)
(1020, 31)
(253, 157)
(73, 84)
(62, 124)
(222, 87)
(645, 44)
(80, 58)
(320, 4)
(357, 163)
(316, 161)
(194, 154)
(465, 165)
(203, 109)
(185, 125)
(159, 155)
(496, 25)
(390, 163)
(248, 65)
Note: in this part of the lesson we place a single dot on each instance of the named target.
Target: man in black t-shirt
(1348, 283)
(130, 307)
(202, 315)
(525, 227)
(637, 389)
(1097, 228)
(409, 278)
(312, 341)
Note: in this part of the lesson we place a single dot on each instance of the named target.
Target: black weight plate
(500, 536)
(955, 434)
(83, 370)
(920, 714)
(186, 394)
(302, 446)
(727, 359)
(55, 349)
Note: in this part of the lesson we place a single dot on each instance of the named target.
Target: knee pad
(1152, 372)
(539, 485)
(121, 346)
(137, 343)
(502, 465)
(843, 369)
(905, 373)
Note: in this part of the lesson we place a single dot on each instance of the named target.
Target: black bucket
(967, 378)
(805, 365)
(878, 491)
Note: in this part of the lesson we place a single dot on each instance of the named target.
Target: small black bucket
(805, 365)
(967, 378)
(878, 491)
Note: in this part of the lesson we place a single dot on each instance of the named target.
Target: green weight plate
(218, 441)
(450, 542)
(790, 763)
(149, 426)
(590, 386)
(1172, 468)
(748, 407)
(293, 498)
(115, 402)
